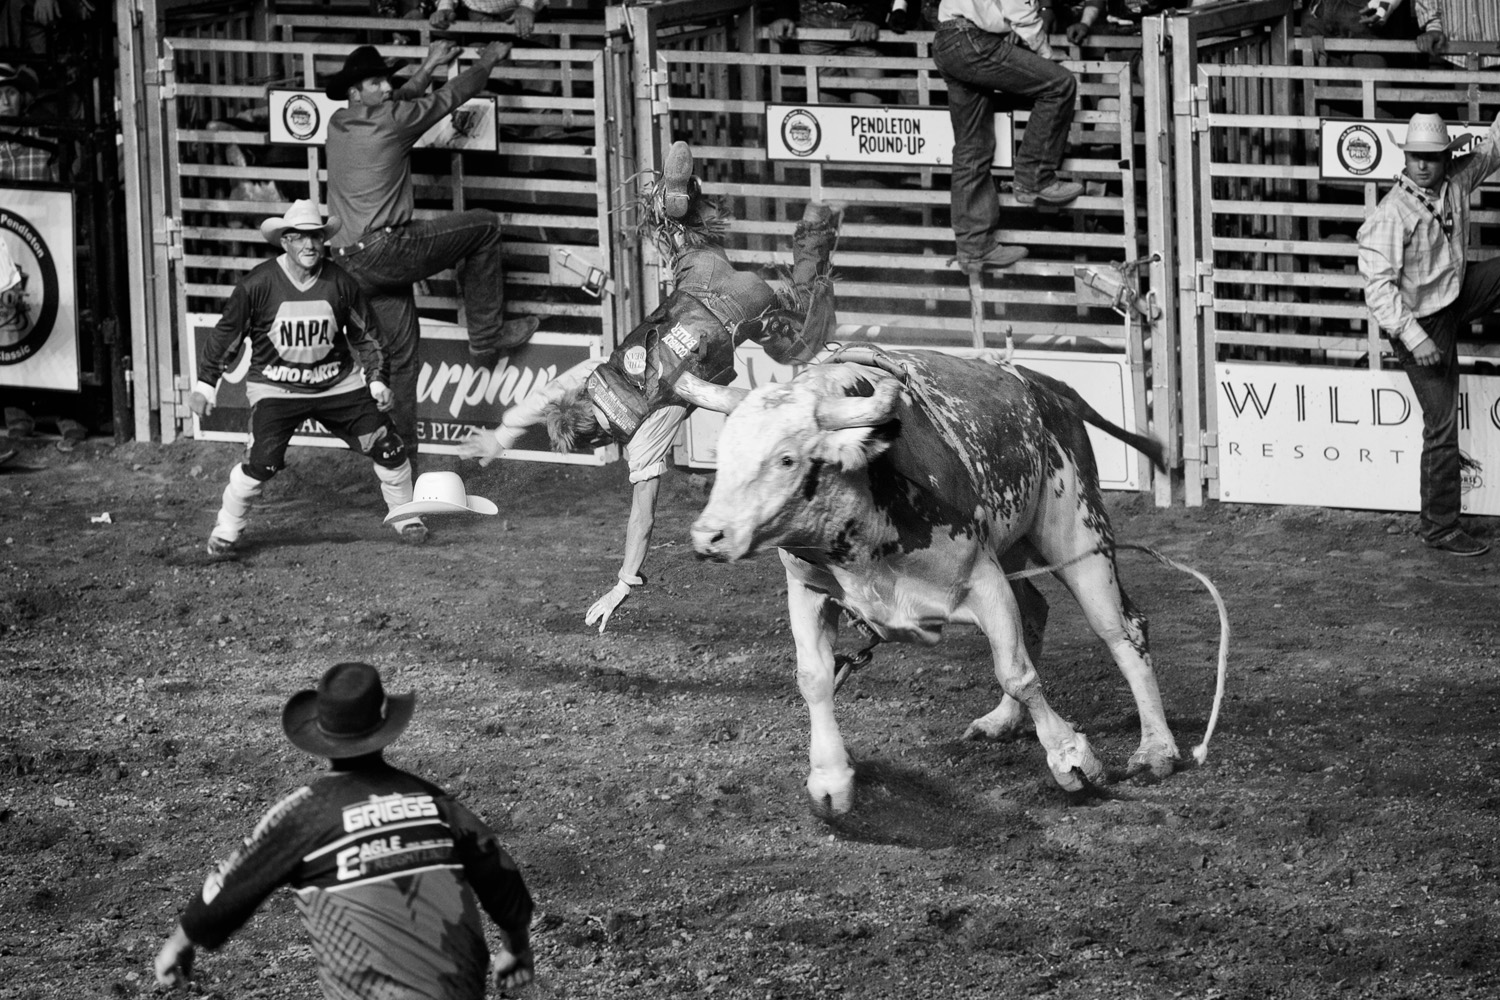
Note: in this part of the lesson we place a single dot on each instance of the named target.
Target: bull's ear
(720, 398)
(835, 412)
(851, 448)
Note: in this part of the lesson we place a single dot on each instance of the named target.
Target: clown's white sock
(235, 512)
(396, 487)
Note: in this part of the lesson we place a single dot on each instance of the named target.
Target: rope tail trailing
(1200, 752)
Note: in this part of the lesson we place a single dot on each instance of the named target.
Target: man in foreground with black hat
(1423, 293)
(384, 246)
(386, 866)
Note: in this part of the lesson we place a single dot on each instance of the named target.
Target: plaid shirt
(498, 9)
(23, 161)
(1411, 251)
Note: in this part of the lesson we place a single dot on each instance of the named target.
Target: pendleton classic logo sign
(28, 309)
(38, 311)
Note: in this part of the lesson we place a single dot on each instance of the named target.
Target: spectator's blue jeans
(984, 70)
(1436, 389)
(387, 262)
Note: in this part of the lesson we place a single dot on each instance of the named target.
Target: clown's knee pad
(384, 447)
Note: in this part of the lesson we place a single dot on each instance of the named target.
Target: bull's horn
(835, 412)
(720, 398)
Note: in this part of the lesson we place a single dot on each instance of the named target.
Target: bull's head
(792, 458)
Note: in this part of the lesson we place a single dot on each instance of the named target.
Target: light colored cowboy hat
(302, 216)
(1426, 134)
(349, 715)
(440, 493)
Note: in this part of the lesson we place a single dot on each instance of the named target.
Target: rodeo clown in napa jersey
(640, 395)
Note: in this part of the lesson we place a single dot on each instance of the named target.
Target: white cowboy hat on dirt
(440, 493)
(302, 216)
(1426, 134)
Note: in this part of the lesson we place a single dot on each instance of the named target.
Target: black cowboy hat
(349, 715)
(361, 64)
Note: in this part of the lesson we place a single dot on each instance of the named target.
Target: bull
(903, 490)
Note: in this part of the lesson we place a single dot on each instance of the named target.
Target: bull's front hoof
(830, 798)
(1075, 768)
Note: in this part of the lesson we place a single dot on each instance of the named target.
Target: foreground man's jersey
(387, 868)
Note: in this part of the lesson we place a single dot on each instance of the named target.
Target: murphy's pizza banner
(1344, 437)
(864, 133)
(1368, 151)
(455, 397)
(38, 298)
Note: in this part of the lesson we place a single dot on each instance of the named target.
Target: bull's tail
(1148, 446)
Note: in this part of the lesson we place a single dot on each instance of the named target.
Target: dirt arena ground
(1341, 841)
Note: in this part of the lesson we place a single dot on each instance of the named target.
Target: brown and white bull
(902, 491)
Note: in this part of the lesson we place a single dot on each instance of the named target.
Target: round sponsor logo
(28, 309)
(635, 360)
(801, 133)
(301, 117)
(1358, 149)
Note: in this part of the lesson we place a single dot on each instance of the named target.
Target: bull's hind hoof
(1152, 765)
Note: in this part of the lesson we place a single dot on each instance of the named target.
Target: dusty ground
(1340, 842)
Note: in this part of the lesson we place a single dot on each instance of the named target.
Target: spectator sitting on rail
(862, 19)
(1424, 293)
(1389, 20)
(24, 154)
(1076, 18)
(986, 51)
(642, 393)
(521, 13)
(385, 247)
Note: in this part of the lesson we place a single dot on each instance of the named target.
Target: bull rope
(847, 664)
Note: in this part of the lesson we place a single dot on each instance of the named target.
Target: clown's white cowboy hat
(349, 715)
(302, 216)
(440, 493)
(1426, 134)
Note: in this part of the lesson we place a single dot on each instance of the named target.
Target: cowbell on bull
(902, 490)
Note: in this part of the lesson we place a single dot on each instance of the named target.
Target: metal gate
(1267, 239)
(552, 181)
(896, 284)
